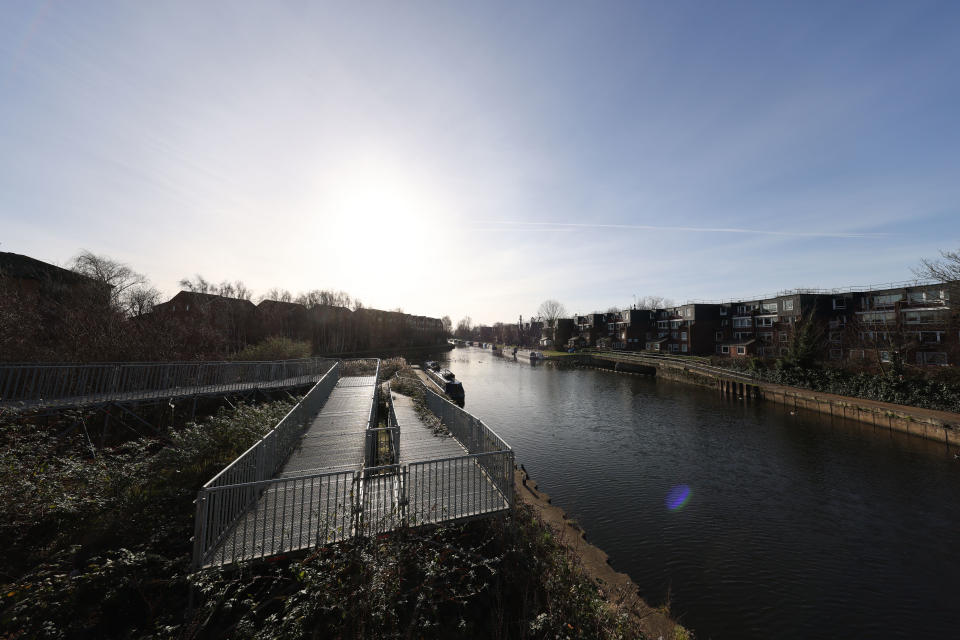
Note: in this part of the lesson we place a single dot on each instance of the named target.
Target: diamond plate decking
(335, 439)
(324, 493)
(443, 481)
(310, 503)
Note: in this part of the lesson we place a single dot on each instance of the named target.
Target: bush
(275, 348)
(100, 538)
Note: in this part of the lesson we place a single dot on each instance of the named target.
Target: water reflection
(800, 526)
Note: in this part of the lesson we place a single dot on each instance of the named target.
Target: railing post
(199, 529)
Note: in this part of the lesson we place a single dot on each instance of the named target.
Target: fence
(230, 494)
(79, 384)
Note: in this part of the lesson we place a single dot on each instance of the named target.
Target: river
(793, 526)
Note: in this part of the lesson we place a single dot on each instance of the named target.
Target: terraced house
(915, 323)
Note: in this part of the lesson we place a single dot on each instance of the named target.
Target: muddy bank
(617, 587)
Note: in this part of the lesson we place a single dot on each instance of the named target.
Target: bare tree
(227, 289)
(945, 270)
(280, 295)
(652, 302)
(118, 276)
(550, 311)
(140, 300)
(447, 325)
(197, 285)
(464, 327)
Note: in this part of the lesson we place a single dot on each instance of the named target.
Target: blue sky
(477, 158)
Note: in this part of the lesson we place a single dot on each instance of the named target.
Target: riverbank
(932, 424)
(618, 588)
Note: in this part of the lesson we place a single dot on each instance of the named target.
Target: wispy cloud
(650, 227)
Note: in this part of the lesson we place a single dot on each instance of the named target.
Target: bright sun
(375, 207)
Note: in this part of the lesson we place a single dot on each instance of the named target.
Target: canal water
(752, 522)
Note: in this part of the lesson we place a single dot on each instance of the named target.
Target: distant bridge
(65, 386)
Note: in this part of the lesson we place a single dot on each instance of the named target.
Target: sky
(478, 158)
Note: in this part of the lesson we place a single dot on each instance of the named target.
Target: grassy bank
(98, 547)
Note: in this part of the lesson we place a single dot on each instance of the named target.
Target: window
(718, 336)
(783, 351)
(766, 336)
(835, 336)
(759, 351)
(784, 336)
(922, 317)
(770, 307)
(724, 349)
(683, 348)
(930, 336)
(835, 354)
(723, 311)
(743, 322)
(683, 335)
(788, 305)
(741, 351)
(884, 356)
(766, 321)
(932, 357)
(886, 301)
(839, 303)
(674, 347)
(877, 317)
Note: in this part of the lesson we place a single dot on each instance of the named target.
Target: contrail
(650, 227)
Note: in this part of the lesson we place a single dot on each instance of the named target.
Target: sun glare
(374, 208)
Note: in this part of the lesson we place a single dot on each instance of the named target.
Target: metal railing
(692, 365)
(458, 488)
(244, 512)
(869, 288)
(391, 432)
(302, 512)
(240, 522)
(37, 385)
(230, 494)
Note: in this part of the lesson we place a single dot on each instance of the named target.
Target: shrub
(275, 348)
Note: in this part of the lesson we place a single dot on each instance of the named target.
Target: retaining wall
(925, 423)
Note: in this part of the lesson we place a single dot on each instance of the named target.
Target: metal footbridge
(64, 386)
(328, 472)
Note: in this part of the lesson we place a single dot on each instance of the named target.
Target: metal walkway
(62, 386)
(309, 500)
(318, 477)
(445, 481)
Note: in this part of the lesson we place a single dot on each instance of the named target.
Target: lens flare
(678, 497)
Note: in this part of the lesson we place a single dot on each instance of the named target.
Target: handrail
(870, 288)
(709, 368)
(338, 504)
(44, 384)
